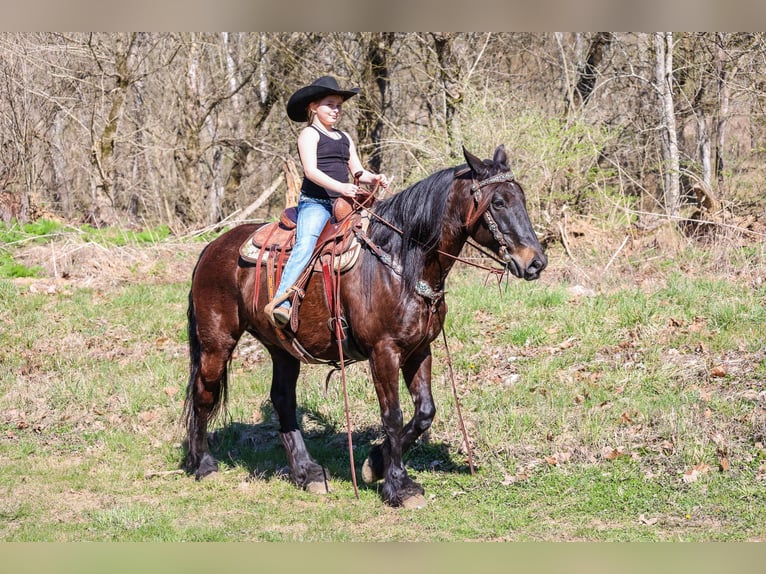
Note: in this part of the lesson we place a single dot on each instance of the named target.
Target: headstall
(480, 207)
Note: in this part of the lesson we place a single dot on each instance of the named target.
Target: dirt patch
(92, 265)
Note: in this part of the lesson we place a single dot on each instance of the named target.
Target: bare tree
(663, 46)
(188, 129)
(376, 77)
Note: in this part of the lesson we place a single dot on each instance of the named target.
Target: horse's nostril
(536, 267)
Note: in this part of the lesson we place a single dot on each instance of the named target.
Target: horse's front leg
(399, 489)
(305, 471)
(417, 376)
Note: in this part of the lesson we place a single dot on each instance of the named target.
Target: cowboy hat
(297, 105)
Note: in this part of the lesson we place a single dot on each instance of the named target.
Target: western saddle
(337, 250)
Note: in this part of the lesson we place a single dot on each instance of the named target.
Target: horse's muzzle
(527, 264)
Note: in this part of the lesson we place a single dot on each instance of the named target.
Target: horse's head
(497, 217)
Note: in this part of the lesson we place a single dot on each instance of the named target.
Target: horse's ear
(474, 163)
(500, 156)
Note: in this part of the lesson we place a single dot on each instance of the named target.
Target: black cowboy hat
(297, 105)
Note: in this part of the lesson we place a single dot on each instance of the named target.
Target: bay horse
(392, 301)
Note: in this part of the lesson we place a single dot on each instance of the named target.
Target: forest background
(188, 130)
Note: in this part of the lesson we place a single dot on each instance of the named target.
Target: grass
(633, 414)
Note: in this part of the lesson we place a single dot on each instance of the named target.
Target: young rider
(327, 156)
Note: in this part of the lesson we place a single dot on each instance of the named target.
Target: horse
(392, 301)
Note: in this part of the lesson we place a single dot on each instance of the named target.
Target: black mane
(418, 212)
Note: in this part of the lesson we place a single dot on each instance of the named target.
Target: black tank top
(332, 159)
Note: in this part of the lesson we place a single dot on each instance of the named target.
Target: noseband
(480, 207)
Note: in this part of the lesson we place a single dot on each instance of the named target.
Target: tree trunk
(724, 94)
(104, 208)
(703, 148)
(449, 79)
(663, 48)
(587, 70)
(376, 74)
(59, 167)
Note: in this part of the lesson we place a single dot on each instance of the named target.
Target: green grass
(587, 415)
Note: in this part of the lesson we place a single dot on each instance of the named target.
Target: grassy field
(620, 398)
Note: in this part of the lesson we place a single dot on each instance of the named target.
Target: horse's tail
(194, 362)
(195, 359)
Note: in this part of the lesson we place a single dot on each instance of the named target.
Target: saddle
(276, 240)
(336, 251)
(272, 243)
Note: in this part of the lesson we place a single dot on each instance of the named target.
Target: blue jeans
(313, 214)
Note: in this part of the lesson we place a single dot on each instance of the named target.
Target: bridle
(480, 208)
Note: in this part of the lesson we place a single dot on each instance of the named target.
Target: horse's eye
(498, 203)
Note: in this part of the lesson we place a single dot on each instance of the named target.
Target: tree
(663, 49)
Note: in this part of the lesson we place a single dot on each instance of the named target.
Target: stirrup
(279, 316)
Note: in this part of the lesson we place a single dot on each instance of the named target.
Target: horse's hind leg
(206, 391)
(206, 395)
(305, 471)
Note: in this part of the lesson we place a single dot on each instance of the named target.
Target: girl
(327, 156)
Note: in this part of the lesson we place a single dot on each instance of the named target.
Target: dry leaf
(563, 456)
(723, 464)
(690, 476)
(551, 460)
(694, 473)
(698, 324)
(648, 521)
(171, 391)
(718, 371)
(147, 416)
(609, 453)
(508, 480)
(568, 343)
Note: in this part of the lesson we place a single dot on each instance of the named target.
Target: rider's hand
(381, 180)
(348, 190)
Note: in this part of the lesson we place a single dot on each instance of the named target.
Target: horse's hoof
(368, 473)
(318, 487)
(207, 465)
(414, 502)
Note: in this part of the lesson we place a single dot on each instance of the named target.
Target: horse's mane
(418, 212)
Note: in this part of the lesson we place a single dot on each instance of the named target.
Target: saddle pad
(271, 238)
